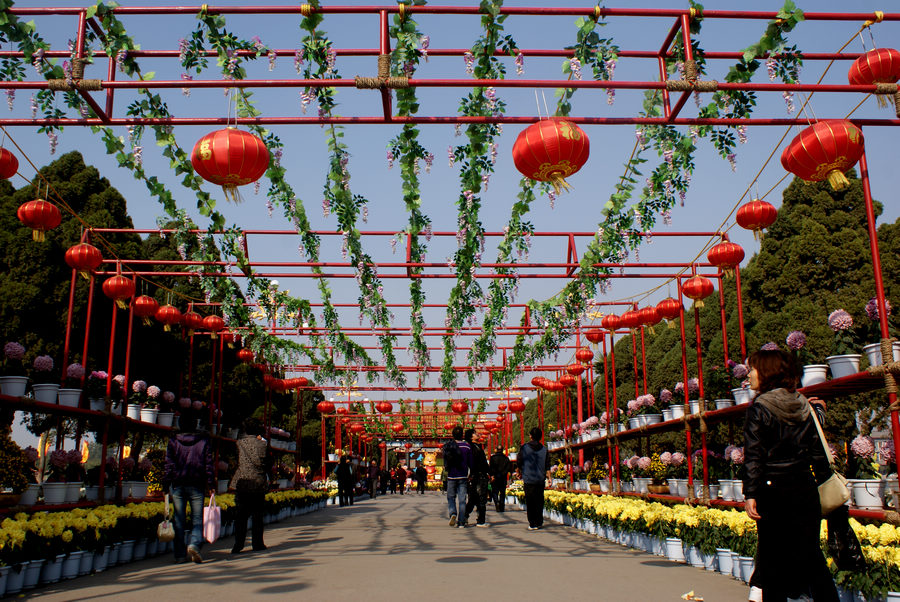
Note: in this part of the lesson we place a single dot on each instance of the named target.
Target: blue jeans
(457, 490)
(182, 495)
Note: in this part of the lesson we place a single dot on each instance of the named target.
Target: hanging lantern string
(57, 198)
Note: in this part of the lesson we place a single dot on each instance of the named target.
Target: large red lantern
(119, 288)
(397, 427)
(213, 324)
(516, 406)
(697, 288)
(670, 309)
(408, 447)
(550, 151)
(357, 428)
(649, 317)
(40, 216)
(610, 322)
(726, 256)
(168, 316)
(192, 321)
(448, 426)
(230, 338)
(537, 381)
(630, 319)
(756, 215)
(566, 380)
(502, 407)
(145, 307)
(84, 257)
(385, 407)
(9, 165)
(382, 445)
(342, 411)
(459, 407)
(879, 66)
(575, 369)
(245, 355)
(327, 407)
(230, 158)
(594, 335)
(584, 355)
(824, 150)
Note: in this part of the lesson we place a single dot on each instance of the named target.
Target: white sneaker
(755, 594)
(481, 524)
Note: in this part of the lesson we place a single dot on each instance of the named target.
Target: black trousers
(498, 492)
(534, 501)
(249, 504)
(345, 493)
(420, 486)
(477, 498)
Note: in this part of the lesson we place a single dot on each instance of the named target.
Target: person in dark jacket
(250, 483)
(188, 475)
(421, 476)
(478, 481)
(784, 460)
(534, 462)
(457, 470)
(373, 479)
(344, 475)
(500, 467)
(400, 477)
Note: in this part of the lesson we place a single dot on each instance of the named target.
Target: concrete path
(399, 548)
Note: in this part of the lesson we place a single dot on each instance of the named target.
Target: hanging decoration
(669, 309)
(459, 407)
(550, 151)
(40, 216)
(145, 308)
(213, 324)
(756, 215)
(245, 355)
(9, 165)
(697, 288)
(575, 369)
(384, 407)
(650, 317)
(230, 158)
(594, 335)
(119, 288)
(878, 66)
(610, 322)
(327, 407)
(192, 321)
(565, 381)
(726, 256)
(168, 316)
(631, 319)
(824, 150)
(84, 257)
(584, 355)
(516, 406)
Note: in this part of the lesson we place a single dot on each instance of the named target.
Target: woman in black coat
(784, 459)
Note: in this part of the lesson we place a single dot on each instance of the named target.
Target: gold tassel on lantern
(121, 304)
(699, 303)
(651, 330)
(670, 324)
(167, 327)
(837, 180)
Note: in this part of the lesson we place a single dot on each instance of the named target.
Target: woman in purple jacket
(188, 476)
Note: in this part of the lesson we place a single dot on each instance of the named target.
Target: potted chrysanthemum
(867, 486)
(44, 383)
(150, 409)
(873, 350)
(70, 394)
(13, 382)
(843, 361)
(136, 399)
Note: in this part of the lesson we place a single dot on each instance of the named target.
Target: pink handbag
(212, 520)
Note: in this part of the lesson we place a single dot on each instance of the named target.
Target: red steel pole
(87, 329)
(112, 346)
(687, 406)
(65, 357)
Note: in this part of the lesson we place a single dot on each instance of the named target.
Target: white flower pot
(15, 578)
(71, 564)
(140, 549)
(602, 431)
(741, 396)
(721, 404)
(738, 490)
(165, 418)
(52, 571)
(698, 490)
(873, 352)
(138, 489)
(54, 493)
(73, 493)
(68, 397)
(693, 557)
(843, 365)
(673, 486)
(677, 410)
(726, 489)
(747, 566)
(695, 406)
(814, 374)
(681, 487)
(45, 392)
(149, 415)
(723, 557)
(92, 493)
(667, 415)
(652, 419)
(87, 563)
(674, 549)
(126, 551)
(32, 573)
(4, 574)
(29, 496)
(14, 386)
(735, 565)
(709, 561)
(867, 494)
(101, 559)
(133, 411)
(97, 404)
(113, 557)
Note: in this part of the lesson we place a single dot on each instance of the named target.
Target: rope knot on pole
(384, 81)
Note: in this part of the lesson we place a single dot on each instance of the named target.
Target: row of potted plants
(711, 538)
(44, 547)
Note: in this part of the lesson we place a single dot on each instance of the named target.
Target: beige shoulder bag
(834, 492)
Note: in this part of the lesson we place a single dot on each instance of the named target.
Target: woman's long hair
(775, 369)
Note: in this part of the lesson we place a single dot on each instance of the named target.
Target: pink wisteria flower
(693, 385)
(740, 371)
(119, 379)
(863, 447)
(666, 458)
(770, 346)
(840, 320)
(75, 371)
(886, 449)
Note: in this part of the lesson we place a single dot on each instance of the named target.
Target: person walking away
(457, 466)
(372, 475)
(534, 462)
(188, 474)
(385, 476)
(400, 477)
(344, 475)
(784, 460)
(392, 474)
(478, 481)
(500, 467)
(250, 483)
(421, 476)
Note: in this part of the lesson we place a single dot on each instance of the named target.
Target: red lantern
(879, 66)
(192, 321)
(357, 428)
(536, 381)
(230, 338)
(611, 322)
(230, 158)
(516, 406)
(397, 427)
(385, 407)
(594, 335)
(145, 307)
(408, 446)
(669, 309)
(459, 407)
(343, 412)
(9, 165)
(550, 151)
(448, 426)
(566, 380)
(327, 407)
(40, 216)
(630, 319)
(726, 256)
(84, 257)
(697, 288)
(575, 369)
(119, 288)
(245, 355)
(213, 324)
(490, 426)
(502, 407)
(649, 317)
(584, 355)
(168, 316)
(301, 381)
(756, 215)
(382, 445)
(824, 150)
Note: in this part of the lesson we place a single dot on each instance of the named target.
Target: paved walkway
(399, 548)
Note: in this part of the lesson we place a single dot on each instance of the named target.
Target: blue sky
(714, 192)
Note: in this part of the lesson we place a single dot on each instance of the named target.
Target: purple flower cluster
(31, 454)
(168, 397)
(678, 459)
(665, 396)
(643, 463)
(737, 455)
(840, 320)
(14, 351)
(770, 346)
(863, 447)
(796, 340)
(153, 391)
(666, 458)
(75, 370)
(740, 371)
(139, 386)
(872, 308)
(43, 363)
(197, 405)
(693, 386)
(184, 402)
(886, 449)
(59, 458)
(679, 387)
